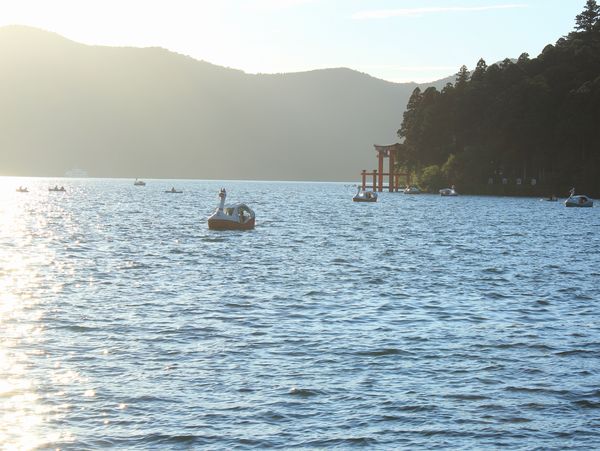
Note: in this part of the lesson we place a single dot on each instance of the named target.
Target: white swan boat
(231, 217)
(579, 200)
(412, 190)
(364, 196)
(139, 183)
(448, 191)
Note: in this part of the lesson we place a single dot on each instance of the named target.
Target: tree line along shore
(529, 126)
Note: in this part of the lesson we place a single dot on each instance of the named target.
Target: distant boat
(448, 191)
(231, 217)
(552, 198)
(173, 191)
(412, 190)
(578, 200)
(364, 196)
(139, 183)
(56, 189)
(76, 173)
(21, 189)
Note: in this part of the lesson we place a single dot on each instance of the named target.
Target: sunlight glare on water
(24, 417)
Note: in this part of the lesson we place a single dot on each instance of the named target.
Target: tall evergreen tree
(409, 122)
(462, 77)
(479, 71)
(588, 19)
(409, 130)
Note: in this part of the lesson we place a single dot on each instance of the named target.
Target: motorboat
(56, 189)
(139, 183)
(412, 190)
(20, 189)
(231, 217)
(448, 191)
(173, 191)
(364, 196)
(579, 200)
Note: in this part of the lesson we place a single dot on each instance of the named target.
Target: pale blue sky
(396, 40)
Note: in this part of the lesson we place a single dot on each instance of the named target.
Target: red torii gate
(378, 174)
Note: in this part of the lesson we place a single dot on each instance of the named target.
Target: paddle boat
(231, 217)
(448, 191)
(578, 200)
(20, 189)
(56, 189)
(139, 183)
(364, 196)
(174, 191)
(412, 190)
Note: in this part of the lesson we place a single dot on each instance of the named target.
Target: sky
(395, 40)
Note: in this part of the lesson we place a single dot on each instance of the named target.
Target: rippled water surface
(416, 322)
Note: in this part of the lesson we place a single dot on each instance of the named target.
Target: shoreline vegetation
(519, 127)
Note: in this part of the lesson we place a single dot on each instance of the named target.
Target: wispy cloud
(405, 12)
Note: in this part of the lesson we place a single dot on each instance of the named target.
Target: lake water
(415, 322)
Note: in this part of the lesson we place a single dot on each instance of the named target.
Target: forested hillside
(148, 112)
(533, 120)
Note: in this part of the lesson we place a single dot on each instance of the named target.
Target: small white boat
(579, 200)
(56, 189)
(412, 190)
(231, 217)
(552, 198)
(173, 191)
(448, 191)
(364, 196)
(139, 183)
(20, 189)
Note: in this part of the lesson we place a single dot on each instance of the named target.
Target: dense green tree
(462, 77)
(479, 72)
(530, 118)
(409, 131)
(432, 178)
(409, 123)
(587, 20)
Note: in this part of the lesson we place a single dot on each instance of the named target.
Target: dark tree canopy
(588, 19)
(462, 77)
(533, 118)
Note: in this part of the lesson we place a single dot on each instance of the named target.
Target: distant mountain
(148, 112)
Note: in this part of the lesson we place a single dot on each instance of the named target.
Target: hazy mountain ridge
(149, 112)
